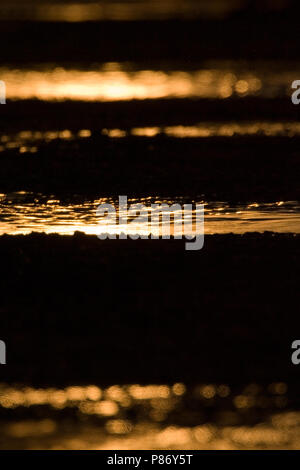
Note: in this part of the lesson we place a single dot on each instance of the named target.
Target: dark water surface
(166, 101)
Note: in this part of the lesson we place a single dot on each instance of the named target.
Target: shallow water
(29, 141)
(132, 416)
(115, 81)
(117, 10)
(205, 416)
(25, 212)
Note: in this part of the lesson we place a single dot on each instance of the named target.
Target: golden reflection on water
(122, 10)
(23, 213)
(200, 130)
(26, 142)
(144, 417)
(115, 82)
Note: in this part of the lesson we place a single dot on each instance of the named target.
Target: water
(204, 416)
(90, 10)
(25, 212)
(116, 81)
(29, 141)
(133, 416)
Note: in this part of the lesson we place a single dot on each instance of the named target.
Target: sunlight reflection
(25, 142)
(124, 10)
(152, 420)
(117, 81)
(23, 212)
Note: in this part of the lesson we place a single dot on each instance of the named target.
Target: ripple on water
(149, 417)
(24, 212)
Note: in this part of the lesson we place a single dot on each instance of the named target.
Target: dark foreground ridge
(75, 309)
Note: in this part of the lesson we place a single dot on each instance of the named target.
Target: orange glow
(26, 214)
(114, 82)
(115, 430)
